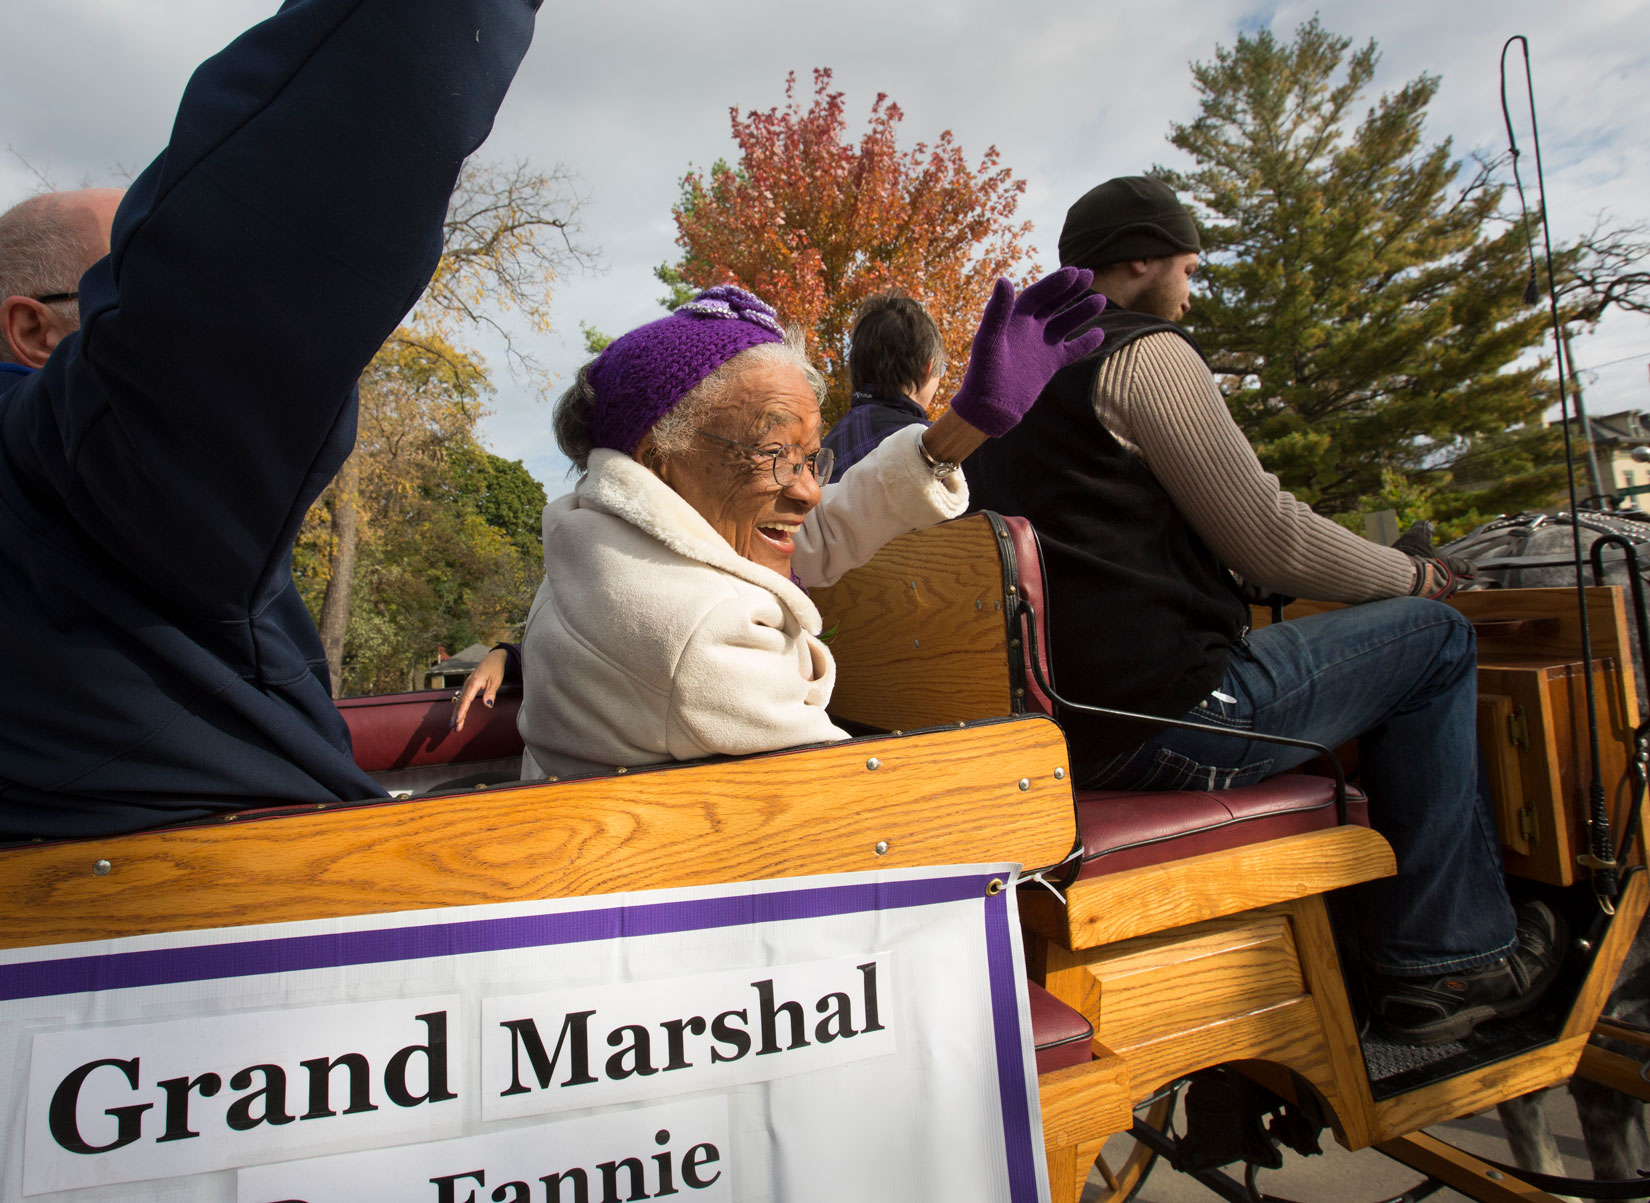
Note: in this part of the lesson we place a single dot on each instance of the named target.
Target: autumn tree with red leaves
(813, 223)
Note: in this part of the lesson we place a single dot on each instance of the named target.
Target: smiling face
(769, 404)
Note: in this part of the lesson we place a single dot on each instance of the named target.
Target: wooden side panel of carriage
(947, 797)
(1532, 720)
(942, 797)
(1226, 956)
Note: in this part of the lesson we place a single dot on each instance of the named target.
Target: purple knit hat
(641, 376)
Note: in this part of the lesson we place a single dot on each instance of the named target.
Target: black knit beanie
(1131, 217)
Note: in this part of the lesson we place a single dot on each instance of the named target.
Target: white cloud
(629, 94)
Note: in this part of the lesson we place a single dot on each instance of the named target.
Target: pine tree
(1362, 297)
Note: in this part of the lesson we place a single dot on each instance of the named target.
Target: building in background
(1614, 437)
(450, 672)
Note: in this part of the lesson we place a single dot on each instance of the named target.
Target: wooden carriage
(1194, 932)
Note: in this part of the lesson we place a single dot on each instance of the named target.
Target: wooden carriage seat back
(919, 633)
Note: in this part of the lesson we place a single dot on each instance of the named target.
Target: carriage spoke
(1106, 1172)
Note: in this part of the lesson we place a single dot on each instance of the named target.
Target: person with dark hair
(173, 414)
(896, 360)
(1146, 497)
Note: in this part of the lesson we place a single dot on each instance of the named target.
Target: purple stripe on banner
(290, 954)
(1011, 1079)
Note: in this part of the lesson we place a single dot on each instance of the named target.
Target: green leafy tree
(511, 231)
(444, 546)
(595, 342)
(502, 492)
(1362, 291)
(680, 292)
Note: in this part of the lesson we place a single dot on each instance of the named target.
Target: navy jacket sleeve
(256, 267)
(154, 473)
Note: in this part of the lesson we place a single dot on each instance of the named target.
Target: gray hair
(673, 433)
(42, 250)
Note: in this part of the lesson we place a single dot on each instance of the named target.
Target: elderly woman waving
(673, 621)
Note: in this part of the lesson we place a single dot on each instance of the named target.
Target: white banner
(638, 1153)
(861, 1036)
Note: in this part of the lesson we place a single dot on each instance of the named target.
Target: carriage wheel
(1124, 1162)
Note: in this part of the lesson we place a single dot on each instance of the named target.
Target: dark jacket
(1140, 612)
(871, 417)
(154, 473)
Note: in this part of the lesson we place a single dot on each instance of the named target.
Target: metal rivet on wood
(102, 868)
(882, 847)
(1059, 774)
(873, 764)
(1025, 784)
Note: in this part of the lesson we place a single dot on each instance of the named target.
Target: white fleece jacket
(652, 640)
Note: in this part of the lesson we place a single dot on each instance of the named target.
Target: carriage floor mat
(1396, 1068)
(1384, 1059)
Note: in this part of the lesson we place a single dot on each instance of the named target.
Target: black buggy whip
(1601, 860)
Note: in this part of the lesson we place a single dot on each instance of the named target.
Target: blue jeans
(1400, 676)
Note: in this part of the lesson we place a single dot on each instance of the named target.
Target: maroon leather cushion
(1028, 569)
(402, 730)
(1060, 1034)
(1124, 829)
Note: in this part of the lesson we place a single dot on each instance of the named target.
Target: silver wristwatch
(941, 468)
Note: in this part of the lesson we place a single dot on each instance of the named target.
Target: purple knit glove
(1021, 343)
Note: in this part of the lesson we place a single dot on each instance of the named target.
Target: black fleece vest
(1140, 612)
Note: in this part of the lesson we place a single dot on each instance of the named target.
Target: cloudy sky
(629, 94)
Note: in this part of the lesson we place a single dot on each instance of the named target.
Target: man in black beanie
(1146, 498)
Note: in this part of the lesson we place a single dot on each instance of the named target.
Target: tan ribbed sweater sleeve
(1158, 398)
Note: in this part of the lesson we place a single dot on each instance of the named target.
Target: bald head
(46, 244)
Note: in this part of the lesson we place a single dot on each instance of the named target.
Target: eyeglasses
(787, 462)
(50, 297)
